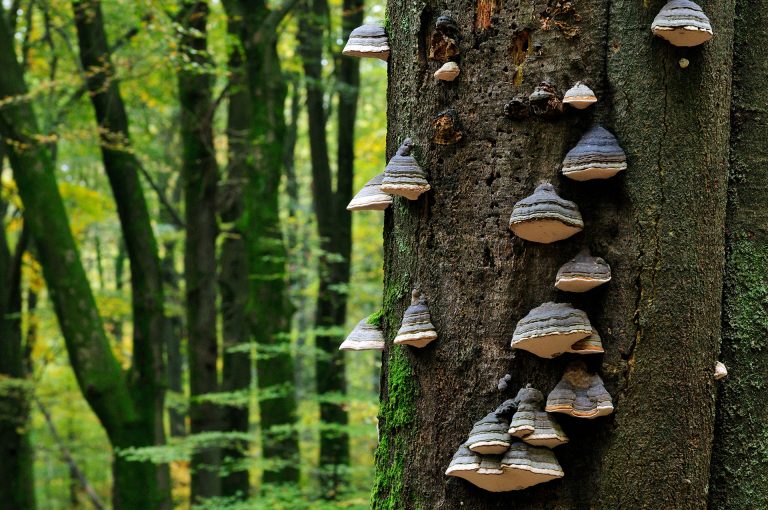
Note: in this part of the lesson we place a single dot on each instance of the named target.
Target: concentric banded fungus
(448, 71)
(370, 197)
(582, 273)
(551, 329)
(521, 466)
(489, 436)
(544, 217)
(368, 41)
(580, 394)
(531, 424)
(593, 344)
(442, 45)
(365, 337)
(580, 96)
(417, 329)
(682, 23)
(596, 156)
(403, 175)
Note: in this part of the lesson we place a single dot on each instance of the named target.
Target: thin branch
(174, 214)
(268, 29)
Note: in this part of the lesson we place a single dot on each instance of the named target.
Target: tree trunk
(200, 174)
(739, 477)
(148, 378)
(334, 225)
(660, 227)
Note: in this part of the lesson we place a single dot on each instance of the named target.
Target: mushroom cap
(489, 436)
(580, 394)
(416, 329)
(521, 466)
(403, 176)
(593, 344)
(596, 156)
(531, 424)
(370, 197)
(721, 371)
(365, 337)
(582, 273)
(551, 329)
(682, 23)
(368, 41)
(544, 217)
(448, 71)
(542, 92)
(580, 96)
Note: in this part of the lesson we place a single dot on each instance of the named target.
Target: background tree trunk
(739, 477)
(200, 174)
(660, 227)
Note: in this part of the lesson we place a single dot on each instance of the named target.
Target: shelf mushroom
(416, 329)
(544, 100)
(721, 371)
(596, 156)
(532, 424)
(370, 197)
(544, 217)
(580, 96)
(580, 394)
(489, 436)
(682, 23)
(551, 329)
(522, 466)
(368, 41)
(403, 176)
(582, 273)
(448, 71)
(367, 336)
(593, 344)
(443, 45)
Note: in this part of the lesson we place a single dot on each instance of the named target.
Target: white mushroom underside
(365, 345)
(593, 171)
(416, 339)
(509, 479)
(365, 51)
(551, 345)
(580, 102)
(374, 203)
(683, 36)
(409, 191)
(544, 231)
(490, 447)
(579, 284)
(601, 410)
(548, 440)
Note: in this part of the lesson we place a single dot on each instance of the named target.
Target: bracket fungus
(518, 108)
(522, 466)
(551, 329)
(489, 436)
(448, 71)
(532, 424)
(447, 128)
(403, 176)
(416, 329)
(593, 344)
(682, 23)
(580, 96)
(365, 337)
(503, 384)
(368, 41)
(582, 273)
(370, 197)
(721, 371)
(443, 45)
(544, 217)
(580, 394)
(596, 156)
(544, 100)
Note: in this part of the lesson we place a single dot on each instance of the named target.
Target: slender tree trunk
(334, 226)
(739, 477)
(660, 227)
(200, 174)
(17, 488)
(148, 378)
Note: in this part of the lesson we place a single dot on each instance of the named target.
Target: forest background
(161, 59)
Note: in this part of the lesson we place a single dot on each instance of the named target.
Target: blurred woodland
(177, 266)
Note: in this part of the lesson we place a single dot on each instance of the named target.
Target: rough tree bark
(200, 174)
(108, 390)
(739, 477)
(334, 224)
(660, 227)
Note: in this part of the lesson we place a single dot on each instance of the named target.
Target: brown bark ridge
(739, 478)
(200, 174)
(659, 226)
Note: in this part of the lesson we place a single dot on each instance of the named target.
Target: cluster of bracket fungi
(511, 447)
